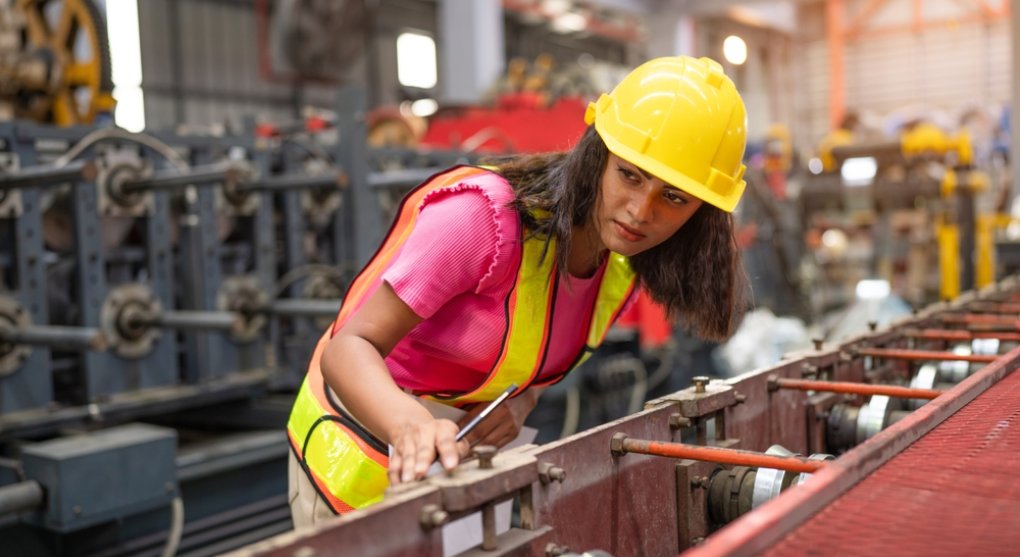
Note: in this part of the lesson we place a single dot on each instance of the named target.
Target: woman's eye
(627, 174)
(674, 198)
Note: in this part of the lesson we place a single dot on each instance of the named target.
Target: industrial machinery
(54, 62)
(159, 297)
(795, 459)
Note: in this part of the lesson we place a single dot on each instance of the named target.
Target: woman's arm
(353, 366)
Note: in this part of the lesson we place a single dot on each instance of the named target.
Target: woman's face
(638, 211)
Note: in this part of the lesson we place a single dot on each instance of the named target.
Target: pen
(488, 410)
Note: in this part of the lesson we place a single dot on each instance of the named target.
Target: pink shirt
(455, 271)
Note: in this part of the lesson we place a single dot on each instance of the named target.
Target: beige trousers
(307, 509)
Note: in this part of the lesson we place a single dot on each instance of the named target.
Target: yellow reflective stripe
(340, 464)
(616, 284)
(529, 314)
(303, 415)
(336, 459)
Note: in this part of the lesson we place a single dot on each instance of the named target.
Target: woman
(514, 275)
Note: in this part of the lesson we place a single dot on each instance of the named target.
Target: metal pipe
(960, 334)
(899, 354)
(184, 319)
(621, 444)
(46, 175)
(196, 176)
(20, 497)
(980, 319)
(304, 307)
(55, 336)
(294, 181)
(993, 307)
(406, 177)
(866, 389)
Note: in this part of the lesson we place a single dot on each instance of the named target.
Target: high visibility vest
(347, 464)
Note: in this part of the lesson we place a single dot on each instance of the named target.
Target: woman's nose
(642, 205)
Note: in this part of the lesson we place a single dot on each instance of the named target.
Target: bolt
(872, 325)
(676, 421)
(485, 454)
(616, 444)
(432, 516)
(773, 383)
(700, 482)
(304, 551)
(549, 472)
(845, 356)
(696, 541)
(819, 343)
(822, 414)
(700, 382)
(740, 397)
(809, 370)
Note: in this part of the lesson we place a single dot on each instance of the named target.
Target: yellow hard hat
(682, 120)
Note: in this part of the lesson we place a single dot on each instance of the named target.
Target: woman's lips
(628, 233)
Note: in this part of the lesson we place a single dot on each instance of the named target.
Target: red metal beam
(834, 32)
(622, 444)
(935, 355)
(960, 334)
(865, 389)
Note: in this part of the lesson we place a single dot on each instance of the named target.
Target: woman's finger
(446, 444)
(407, 456)
(425, 451)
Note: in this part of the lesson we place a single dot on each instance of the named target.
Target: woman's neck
(586, 252)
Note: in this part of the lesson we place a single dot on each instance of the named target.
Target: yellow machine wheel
(72, 35)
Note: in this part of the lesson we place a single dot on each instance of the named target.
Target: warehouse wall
(893, 72)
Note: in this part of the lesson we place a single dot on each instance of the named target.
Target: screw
(700, 382)
(485, 454)
(432, 516)
(700, 482)
(676, 421)
(549, 472)
(740, 397)
(819, 343)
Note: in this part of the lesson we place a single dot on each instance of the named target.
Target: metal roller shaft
(961, 334)
(36, 176)
(20, 497)
(401, 178)
(866, 389)
(197, 176)
(621, 444)
(186, 319)
(55, 336)
(304, 307)
(293, 182)
(897, 354)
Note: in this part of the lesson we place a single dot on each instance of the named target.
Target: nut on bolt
(677, 421)
(432, 516)
(773, 383)
(549, 472)
(700, 382)
(553, 550)
(616, 444)
(485, 453)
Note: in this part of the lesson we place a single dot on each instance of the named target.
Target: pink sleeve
(457, 246)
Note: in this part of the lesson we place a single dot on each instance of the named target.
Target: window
(416, 60)
(126, 59)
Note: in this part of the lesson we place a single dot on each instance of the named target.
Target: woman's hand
(416, 444)
(505, 422)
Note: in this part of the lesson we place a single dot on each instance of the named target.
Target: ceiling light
(735, 50)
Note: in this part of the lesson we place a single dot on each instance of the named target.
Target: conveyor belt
(942, 481)
(953, 492)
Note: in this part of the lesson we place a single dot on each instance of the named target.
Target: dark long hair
(695, 274)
